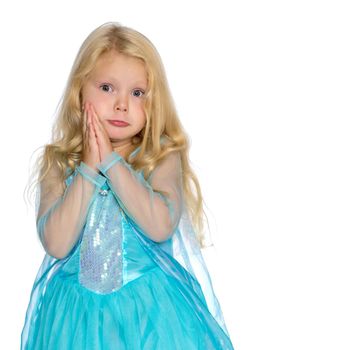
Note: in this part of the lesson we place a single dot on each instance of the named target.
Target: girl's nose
(121, 104)
(120, 108)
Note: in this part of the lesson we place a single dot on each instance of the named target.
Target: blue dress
(118, 289)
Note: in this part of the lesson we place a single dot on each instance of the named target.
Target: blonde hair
(66, 147)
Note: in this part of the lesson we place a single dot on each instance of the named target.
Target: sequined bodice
(109, 255)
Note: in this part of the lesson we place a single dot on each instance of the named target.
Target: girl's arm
(155, 213)
(62, 212)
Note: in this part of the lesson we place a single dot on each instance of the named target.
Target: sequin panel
(101, 258)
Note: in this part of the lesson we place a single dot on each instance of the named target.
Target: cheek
(91, 95)
(143, 120)
(97, 103)
(141, 115)
(141, 108)
(94, 99)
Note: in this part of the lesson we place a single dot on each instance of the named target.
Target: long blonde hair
(66, 147)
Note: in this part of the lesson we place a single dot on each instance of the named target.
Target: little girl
(116, 213)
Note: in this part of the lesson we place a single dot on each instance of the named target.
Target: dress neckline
(135, 150)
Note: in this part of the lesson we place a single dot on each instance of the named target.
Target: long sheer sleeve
(62, 212)
(156, 213)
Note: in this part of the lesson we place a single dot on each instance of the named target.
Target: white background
(262, 87)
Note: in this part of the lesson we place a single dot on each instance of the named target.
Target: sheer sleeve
(62, 211)
(154, 205)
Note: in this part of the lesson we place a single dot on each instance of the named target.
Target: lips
(118, 122)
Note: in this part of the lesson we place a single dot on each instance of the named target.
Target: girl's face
(116, 90)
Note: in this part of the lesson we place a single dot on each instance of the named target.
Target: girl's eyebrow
(137, 82)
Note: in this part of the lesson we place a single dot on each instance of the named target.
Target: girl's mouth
(118, 123)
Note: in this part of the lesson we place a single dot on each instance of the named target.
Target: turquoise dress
(118, 289)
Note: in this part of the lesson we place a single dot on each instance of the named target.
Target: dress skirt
(147, 313)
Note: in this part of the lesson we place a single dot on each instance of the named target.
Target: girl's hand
(103, 141)
(91, 155)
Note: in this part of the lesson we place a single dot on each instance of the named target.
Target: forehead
(117, 66)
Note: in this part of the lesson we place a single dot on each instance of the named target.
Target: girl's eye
(138, 92)
(103, 85)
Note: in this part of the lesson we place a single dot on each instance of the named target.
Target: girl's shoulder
(164, 139)
(69, 175)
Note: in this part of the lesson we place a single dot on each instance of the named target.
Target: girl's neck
(122, 147)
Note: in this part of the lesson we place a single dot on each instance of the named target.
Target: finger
(95, 117)
(86, 116)
(98, 127)
(84, 131)
(92, 138)
(92, 113)
(92, 131)
(86, 134)
(88, 122)
(91, 127)
(95, 131)
(95, 125)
